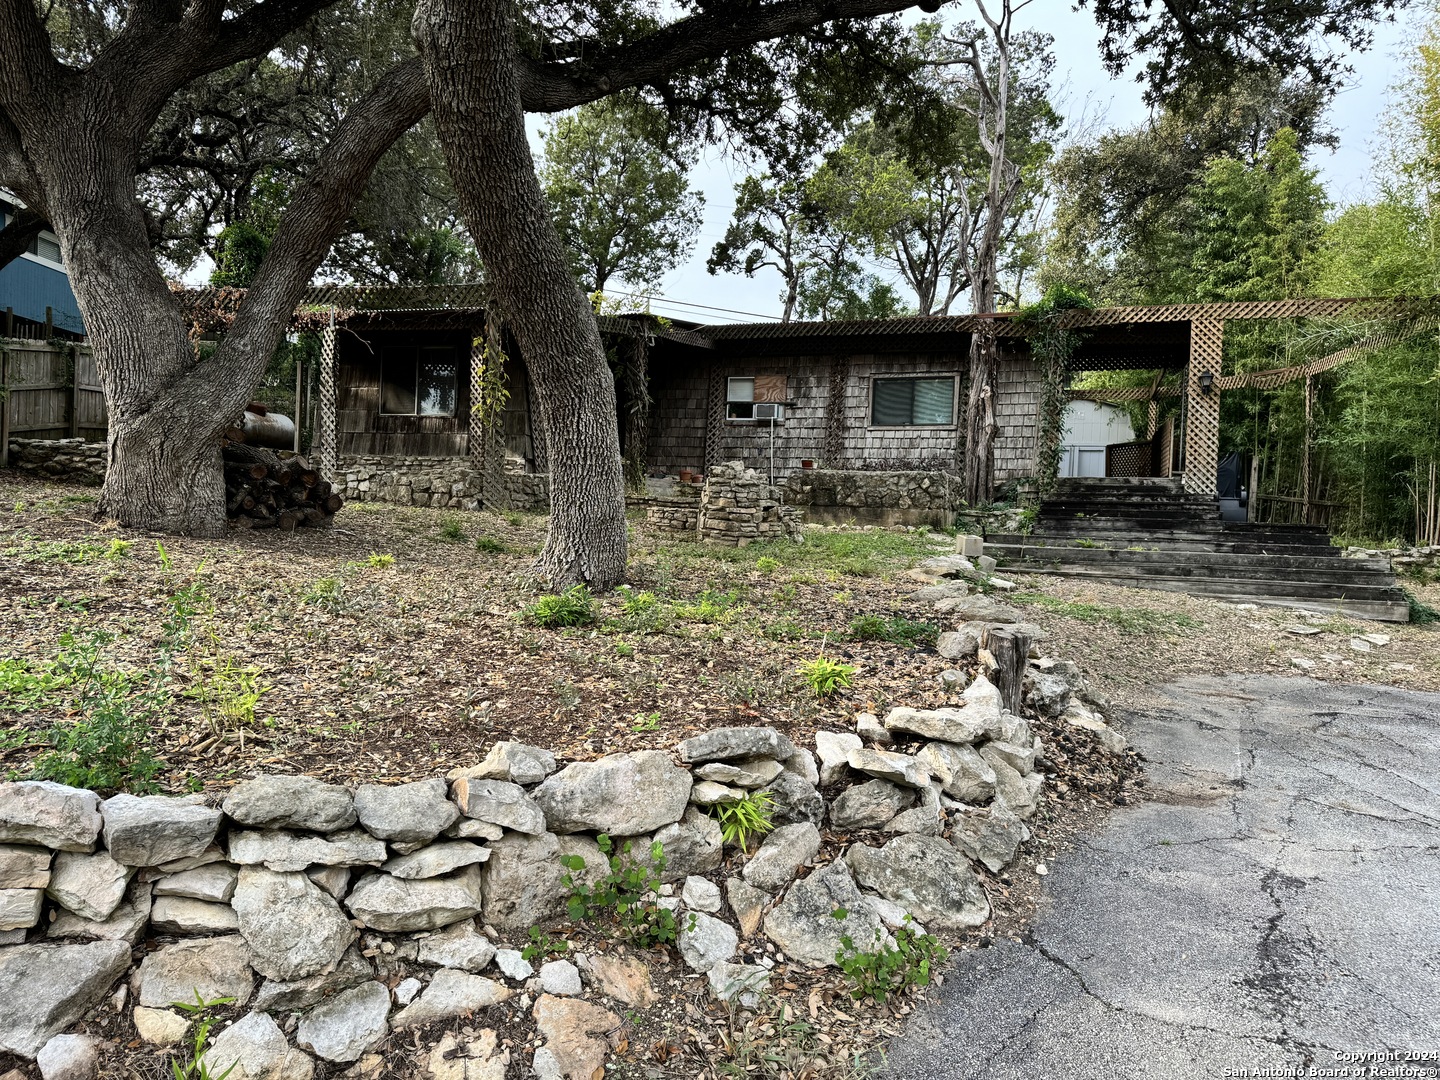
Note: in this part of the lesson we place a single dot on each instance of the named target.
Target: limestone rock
(521, 883)
(20, 908)
(126, 923)
(92, 886)
(959, 644)
(513, 965)
(290, 802)
(24, 867)
(470, 829)
(804, 923)
(406, 990)
(275, 996)
(436, 860)
(286, 852)
(794, 800)
(575, 1034)
(184, 915)
(621, 794)
(1050, 693)
(888, 765)
(710, 793)
(705, 941)
(46, 988)
(451, 993)
(871, 732)
(349, 1024)
(254, 1048)
(693, 845)
(159, 1027)
(69, 1057)
(991, 836)
(953, 680)
(869, 805)
(1019, 758)
(214, 882)
(49, 815)
(477, 1059)
(459, 946)
(947, 725)
(334, 880)
(927, 818)
(980, 608)
(962, 773)
(748, 904)
(701, 894)
(294, 930)
(925, 875)
(152, 829)
(1108, 737)
(500, 803)
(625, 979)
(743, 981)
(781, 855)
(409, 813)
(1021, 794)
(744, 773)
(560, 977)
(834, 750)
(212, 967)
(728, 744)
(597, 864)
(517, 762)
(392, 904)
(802, 764)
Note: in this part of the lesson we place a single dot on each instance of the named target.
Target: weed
(887, 969)
(741, 820)
(64, 551)
(514, 520)
(452, 532)
(1126, 620)
(783, 630)
(625, 893)
(646, 722)
(489, 545)
(825, 676)
(709, 607)
(325, 592)
(118, 549)
(895, 629)
(195, 1067)
(766, 565)
(567, 693)
(623, 650)
(642, 612)
(228, 694)
(574, 607)
(542, 945)
(377, 561)
(1083, 543)
(1420, 612)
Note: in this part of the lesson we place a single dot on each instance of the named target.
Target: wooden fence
(48, 390)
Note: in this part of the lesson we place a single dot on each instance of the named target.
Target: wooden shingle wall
(801, 435)
(361, 430)
(867, 447)
(1017, 417)
(677, 417)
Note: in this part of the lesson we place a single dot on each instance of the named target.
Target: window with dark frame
(419, 381)
(758, 397)
(912, 402)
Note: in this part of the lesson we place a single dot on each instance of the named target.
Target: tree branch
(16, 236)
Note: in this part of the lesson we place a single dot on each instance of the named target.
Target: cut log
(265, 491)
(1011, 652)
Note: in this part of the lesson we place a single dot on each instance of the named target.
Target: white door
(1089, 461)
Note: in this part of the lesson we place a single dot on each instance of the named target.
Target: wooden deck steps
(1149, 534)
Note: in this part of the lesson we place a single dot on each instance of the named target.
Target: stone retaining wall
(73, 461)
(1402, 559)
(428, 481)
(673, 515)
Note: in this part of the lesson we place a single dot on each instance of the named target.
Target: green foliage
(68, 551)
(542, 945)
(626, 894)
(825, 676)
(514, 519)
(193, 1066)
(887, 969)
(766, 565)
(783, 630)
(228, 692)
(574, 607)
(741, 820)
(239, 250)
(709, 607)
(325, 592)
(452, 531)
(489, 545)
(1421, 613)
(1126, 620)
(379, 562)
(895, 629)
(1053, 346)
(646, 721)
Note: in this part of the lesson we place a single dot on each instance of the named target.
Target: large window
(912, 402)
(419, 381)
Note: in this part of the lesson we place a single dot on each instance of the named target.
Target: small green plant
(783, 630)
(452, 532)
(709, 607)
(642, 612)
(542, 945)
(825, 676)
(626, 893)
(887, 969)
(489, 545)
(895, 629)
(1420, 612)
(646, 721)
(766, 565)
(376, 561)
(228, 693)
(514, 519)
(623, 650)
(1126, 620)
(741, 820)
(194, 1067)
(1083, 543)
(574, 607)
(325, 592)
(118, 549)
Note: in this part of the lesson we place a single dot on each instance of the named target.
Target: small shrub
(623, 650)
(886, 969)
(766, 565)
(627, 893)
(228, 693)
(574, 607)
(379, 562)
(896, 630)
(825, 676)
(744, 819)
(514, 519)
(489, 545)
(452, 532)
(325, 592)
(1420, 612)
(118, 549)
(709, 607)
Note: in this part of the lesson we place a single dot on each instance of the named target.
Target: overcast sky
(1084, 86)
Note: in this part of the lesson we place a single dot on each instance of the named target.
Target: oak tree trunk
(468, 47)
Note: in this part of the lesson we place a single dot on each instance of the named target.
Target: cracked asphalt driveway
(1276, 904)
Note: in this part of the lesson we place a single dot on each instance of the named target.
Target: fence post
(49, 323)
(9, 322)
(4, 408)
(74, 391)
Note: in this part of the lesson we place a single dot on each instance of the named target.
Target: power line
(704, 307)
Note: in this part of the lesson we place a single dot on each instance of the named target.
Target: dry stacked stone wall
(453, 483)
(860, 489)
(738, 508)
(73, 461)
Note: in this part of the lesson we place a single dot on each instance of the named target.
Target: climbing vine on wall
(1052, 345)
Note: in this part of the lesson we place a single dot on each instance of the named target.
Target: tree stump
(1011, 652)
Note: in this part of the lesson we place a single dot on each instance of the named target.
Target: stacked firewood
(265, 491)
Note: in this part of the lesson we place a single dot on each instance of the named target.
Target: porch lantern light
(1207, 381)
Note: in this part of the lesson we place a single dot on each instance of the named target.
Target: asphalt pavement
(1273, 911)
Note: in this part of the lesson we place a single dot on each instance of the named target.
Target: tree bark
(472, 67)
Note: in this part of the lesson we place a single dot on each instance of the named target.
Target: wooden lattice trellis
(714, 416)
(1202, 422)
(325, 436)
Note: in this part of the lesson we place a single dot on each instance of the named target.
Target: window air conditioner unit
(768, 410)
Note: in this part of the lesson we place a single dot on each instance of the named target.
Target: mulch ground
(394, 647)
